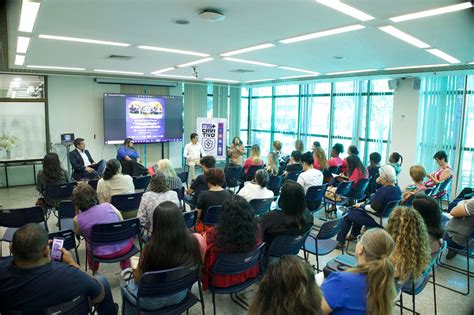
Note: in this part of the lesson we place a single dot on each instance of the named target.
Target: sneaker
(451, 254)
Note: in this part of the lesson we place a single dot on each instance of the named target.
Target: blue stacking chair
(321, 243)
(327, 173)
(127, 204)
(69, 241)
(293, 175)
(315, 196)
(180, 192)
(141, 182)
(233, 175)
(13, 219)
(358, 191)
(442, 191)
(343, 189)
(232, 264)
(274, 184)
(408, 202)
(212, 215)
(66, 213)
(385, 214)
(93, 183)
(79, 305)
(58, 192)
(163, 283)
(190, 218)
(432, 191)
(184, 177)
(112, 233)
(252, 170)
(285, 245)
(261, 206)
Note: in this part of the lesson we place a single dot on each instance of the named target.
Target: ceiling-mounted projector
(211, 15)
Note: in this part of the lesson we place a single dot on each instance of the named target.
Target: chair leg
(401, 302)
(434, 290)
(214, 302)
(413, 296)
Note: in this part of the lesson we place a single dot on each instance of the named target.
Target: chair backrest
(212, 215)
(110, 233)
(261, 206)
(252, 170)
(293, 175)
(183, 176)
(344, 188)
(287, 244)
(59, 191)
(68, 236)
(180, 192)
(66, 209)
(444, 185)
(127, 202)
(233, 172)
(432, 190)
(274, 182)
(93, 183)
(79, 305)
(190, 218)
(389, 208)
(316, 193)
(358, 191)
(141, 182)
(16, 218)
(333, 169)
(330, 228)
(235, 263)
(408, 202)
(168, 282)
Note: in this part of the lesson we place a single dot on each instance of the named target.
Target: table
(15, 162)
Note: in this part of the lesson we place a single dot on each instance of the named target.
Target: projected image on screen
(144, 118)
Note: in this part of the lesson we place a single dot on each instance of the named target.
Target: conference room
(236, 157)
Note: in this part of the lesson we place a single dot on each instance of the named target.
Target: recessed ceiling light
(296, 77)
(346, 9)
(471, 63)
(404, 36)
(29, 11)
(176, 76)
(19, 60)
(17, 79)
(243, 50)
(176, 51)
(438, 11)
(83, 40)
(55, 68)
(415, 67)
(443, 55)
(118, 71)
(22, 44)
(299, 70)
(260, 80)
(195, 62)
(263, 64)
(351, 71)
(221, 80)
(333, 31)
(163, 70)
(212, 15)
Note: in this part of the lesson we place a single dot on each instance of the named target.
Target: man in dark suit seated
(82, 163)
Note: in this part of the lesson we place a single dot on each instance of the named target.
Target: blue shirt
(346, 293)
(123, 152)
(36, 288)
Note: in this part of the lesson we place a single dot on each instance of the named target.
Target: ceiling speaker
(393, 84)
(416, 84)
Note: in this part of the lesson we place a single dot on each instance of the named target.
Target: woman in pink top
(254, 159)
(335, 160)
(351, 150)
(356, 169)
(444, 172)
(320, 160)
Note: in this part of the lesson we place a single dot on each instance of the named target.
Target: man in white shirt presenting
(192, 153)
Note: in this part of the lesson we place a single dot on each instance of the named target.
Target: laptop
(67, 138)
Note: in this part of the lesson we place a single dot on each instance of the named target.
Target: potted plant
(7, 143)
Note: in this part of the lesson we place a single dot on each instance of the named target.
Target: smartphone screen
(56, 253)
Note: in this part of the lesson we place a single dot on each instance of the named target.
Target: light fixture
(443, 55)
(351, 71)
(471, 63)
(438, 11)
(29, 11)
(56, 68)
(243, 50)
(346, 9)
(296, 77)
(195, 62)
(260, 80)
(163, 70)
(221, 80)
(299, 70)
(17, 79)
(118, 72)
(330, 32)
(404, 36)
(263, 64)
(83, 40)
(212, 15)
(176, 51)
(416, 67)
(22, 44)
(19, 60)
(176, 76)
(15, 84)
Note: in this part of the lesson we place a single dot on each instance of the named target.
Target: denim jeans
(355, 219)
(106, 307)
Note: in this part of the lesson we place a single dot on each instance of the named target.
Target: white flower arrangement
(7, 142)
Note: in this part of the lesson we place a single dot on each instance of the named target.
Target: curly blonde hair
(412, 250)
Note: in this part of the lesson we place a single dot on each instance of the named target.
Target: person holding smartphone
(32, 282)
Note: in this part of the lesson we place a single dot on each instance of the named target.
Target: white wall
(404, 126)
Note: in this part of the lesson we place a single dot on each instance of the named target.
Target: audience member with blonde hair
(277, 145)
(369, 287)
(273, 165)
(411, 254)
(417, 174)
(320, 160)
(254, 158)
(165, 165)
(288, 287)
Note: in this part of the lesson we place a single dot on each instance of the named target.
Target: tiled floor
(448, 302)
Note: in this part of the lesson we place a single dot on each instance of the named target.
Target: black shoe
(340, 245)
(451, 254)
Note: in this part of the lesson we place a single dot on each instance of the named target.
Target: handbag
(331, 194)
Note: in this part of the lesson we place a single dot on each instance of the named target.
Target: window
(210, 100)
(466, 174)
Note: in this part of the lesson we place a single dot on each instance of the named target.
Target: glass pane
(21, 86)
(244, 113)
(323, 141)
(344, 87)
(287, 89)
(243, 136)
(322, 88)
(244, 92)
(379, 86)
(319, 109)
(209, 106)
(467, 159)
(261, 114)
(380, 148)
(262, 91)
(286, 114)
(263, 140)
(210, 89)
(287, 142)
(344, 112)
(380, 116)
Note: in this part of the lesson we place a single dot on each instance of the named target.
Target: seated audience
(355, 170)
(369, 287)
(277, 151)
(235, 152)
(83, 166)
(299, 146)
(411, 254)
(429, 210)
(369, 213)
(51, 174)
(442, 173)
(192, 153)
(417, 174)
(351, 150)
(236, 232)
(294, 164)
(171, 245)
(89, 213)
(320, 160)
(32, 282)
(335, 160)
(310, 176)
(257, 188)
(460, 226)
(129, 159)
(273, 165)
(167, 168)
(159, 193)
(288, 287)
(113, 182)
(293, 218)
(254, 159)
(373, 169)
(396, 160)
(199, 184)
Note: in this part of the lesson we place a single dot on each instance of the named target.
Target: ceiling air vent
(242, 71)
(119, 57)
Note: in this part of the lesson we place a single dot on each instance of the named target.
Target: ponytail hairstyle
(377, 247)
(396, 157)
(111, 168)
